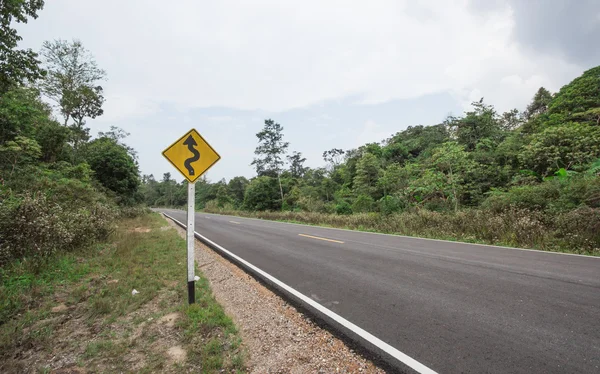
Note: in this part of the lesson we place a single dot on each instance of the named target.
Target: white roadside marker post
(191, 242)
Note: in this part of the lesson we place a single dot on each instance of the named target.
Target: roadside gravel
(277, 337)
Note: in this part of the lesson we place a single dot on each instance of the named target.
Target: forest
(59, 188)
(528, 179)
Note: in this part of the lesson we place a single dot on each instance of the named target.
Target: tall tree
(270, 152)
(17, 66)
(452, 160)
(333, 157)
(367, 175)
(539, 104)
(480, 123)
(297, 168)
(72, 83)
(237, 188)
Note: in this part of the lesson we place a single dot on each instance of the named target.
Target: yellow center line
(237, 223)
(316, 237)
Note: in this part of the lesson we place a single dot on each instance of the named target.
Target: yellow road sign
(191, 155)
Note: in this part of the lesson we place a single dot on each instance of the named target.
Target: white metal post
(190, 242)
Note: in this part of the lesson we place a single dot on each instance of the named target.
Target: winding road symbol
(191, 143)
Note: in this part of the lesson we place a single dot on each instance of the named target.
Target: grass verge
(77, 310)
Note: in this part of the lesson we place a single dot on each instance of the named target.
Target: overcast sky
(333, 73)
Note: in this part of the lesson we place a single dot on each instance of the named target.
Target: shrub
(343, 208)
(33, 226)
(363, 204)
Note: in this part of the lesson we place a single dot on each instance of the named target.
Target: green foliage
(297, 168)
(343, 208)
(581, 95)
(481, 123)
(72, 80)
(114, 168)
(19, 152)
(49, 203)
(21, 112)
(53, 138)
(390, 204)
(367, 175)
(270, 150)
(363, 204)
(539, 104)
(262, 194)
(570, 146)
(17, 66)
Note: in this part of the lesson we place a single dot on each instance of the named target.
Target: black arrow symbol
(191, 143)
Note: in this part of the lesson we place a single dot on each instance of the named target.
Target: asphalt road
(453, 307)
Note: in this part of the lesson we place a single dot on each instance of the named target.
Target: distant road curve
(452, 307)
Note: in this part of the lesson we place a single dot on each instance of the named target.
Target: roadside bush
(363, 204)
(34, 227)
(343, 208)
(580, 229)
(390, 204)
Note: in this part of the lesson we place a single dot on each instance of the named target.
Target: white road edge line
(406, 236)
(402, 357)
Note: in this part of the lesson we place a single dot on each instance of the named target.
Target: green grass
(95, 283)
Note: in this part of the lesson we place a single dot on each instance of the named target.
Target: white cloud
(277, 55)
(372, 133)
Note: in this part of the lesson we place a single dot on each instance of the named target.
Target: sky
(335, 74)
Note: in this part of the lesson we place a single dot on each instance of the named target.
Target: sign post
(192, 156)
(190, 242)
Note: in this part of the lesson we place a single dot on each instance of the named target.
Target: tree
(333, 157)
(416, 140)
(114, 168)
(539, 104)
(17, 66)
(53, 138)
(580, 95)
(117, 134)
(237, 188)
(261, 194)
(71, 68)
(480, 123)
(569, 146)
(270, 150)
(21, 112)
(296, 162)
(452, 160)
(81, 103)
(21, 150)
(393, 179)
(367, 174)
(72, 83)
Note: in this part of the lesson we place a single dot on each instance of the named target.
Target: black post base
(191, 292)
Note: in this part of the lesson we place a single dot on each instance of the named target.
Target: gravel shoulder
(277, 337)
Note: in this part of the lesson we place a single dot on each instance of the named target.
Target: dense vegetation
(58, 189)
(527, 179)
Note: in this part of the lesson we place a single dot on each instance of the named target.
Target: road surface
(453, 307)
